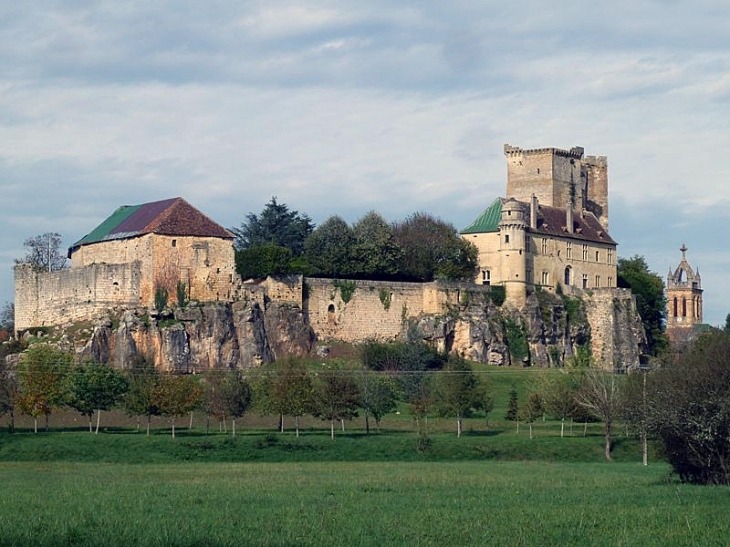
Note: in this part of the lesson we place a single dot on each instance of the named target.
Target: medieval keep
(551, 229)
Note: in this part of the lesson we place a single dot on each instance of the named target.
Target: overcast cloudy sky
(348, 106)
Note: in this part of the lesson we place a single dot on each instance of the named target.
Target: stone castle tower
(684, 296)
(512, 248)
(558, 178)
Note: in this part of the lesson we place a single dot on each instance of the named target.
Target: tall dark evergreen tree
(277, 225)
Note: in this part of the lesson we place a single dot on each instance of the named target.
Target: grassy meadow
(493, 486)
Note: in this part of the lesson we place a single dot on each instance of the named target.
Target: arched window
(676, 306)
(331, 314)
(568, 275)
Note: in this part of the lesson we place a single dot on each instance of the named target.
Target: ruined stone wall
(76, 294)
(617, 334)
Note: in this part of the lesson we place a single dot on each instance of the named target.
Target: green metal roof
(488, 221)
(103, 230)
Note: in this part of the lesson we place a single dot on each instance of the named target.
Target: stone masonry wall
(76, 294)
(617, 334)
(378, 310)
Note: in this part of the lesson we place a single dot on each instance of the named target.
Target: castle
(550, 232)
(551, 229)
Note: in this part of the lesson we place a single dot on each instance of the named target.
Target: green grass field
(356, 503)
(493, 486)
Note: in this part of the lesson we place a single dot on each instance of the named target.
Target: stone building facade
(552, 227)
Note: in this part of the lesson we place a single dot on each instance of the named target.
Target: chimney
(533, 212)
(569, 218)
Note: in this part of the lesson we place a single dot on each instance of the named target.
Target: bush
(689, 410)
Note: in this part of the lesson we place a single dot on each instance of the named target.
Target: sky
(349, 106)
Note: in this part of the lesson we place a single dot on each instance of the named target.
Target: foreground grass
(356, 503)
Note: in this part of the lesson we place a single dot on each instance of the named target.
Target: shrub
(689, 410)
(161, 297)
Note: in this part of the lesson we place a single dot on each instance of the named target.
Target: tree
(329, 249)
(379, 396)
(140, 398)
(533, 409)
(559, 392)
(336, 397)
(42, 376)
(513, 406)
(378, 255)
(432, 249)
(43, 253)
(601, 394)
(261, 261)
(276, 225)
(176, 395)
(291, 392)
(7, 318)
(235, 396)
(93, 387)
(634, 274)
(456, 391)
(8, 390)
(689, 410)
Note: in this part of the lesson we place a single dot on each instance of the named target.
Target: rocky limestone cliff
(550, 330)
(202, 337)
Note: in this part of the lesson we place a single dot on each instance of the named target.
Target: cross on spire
(684, 250)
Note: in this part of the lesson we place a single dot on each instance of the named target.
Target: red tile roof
(171, 217)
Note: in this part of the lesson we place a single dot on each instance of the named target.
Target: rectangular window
(585, 252)
(506, 238)
(545, 278)
(569, 250)
(527, 243)
(610, 281)
(585, 281)
(174, 242)
(597, 255)
(609, 256)
(486, 277)
(544, 245)
(598, 281)
(529, 276)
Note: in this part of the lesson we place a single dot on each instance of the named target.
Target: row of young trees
(47, 379)
(419, 248)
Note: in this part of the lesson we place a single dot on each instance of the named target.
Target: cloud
(339, 108)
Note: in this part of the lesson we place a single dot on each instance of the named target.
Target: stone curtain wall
(617, 334)
(378, 310)
(77, 294)
(366, 315)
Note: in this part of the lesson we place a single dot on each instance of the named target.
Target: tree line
(683, 402)
(418, 248)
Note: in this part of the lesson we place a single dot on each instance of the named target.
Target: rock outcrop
(202, 337)
(600, 328)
